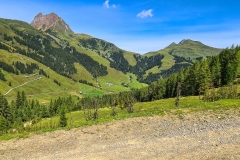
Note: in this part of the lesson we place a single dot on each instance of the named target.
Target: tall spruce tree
(3, 124)
(18, 100)
(5, 111)
(215, 71)
(204, 77)
(63, 118)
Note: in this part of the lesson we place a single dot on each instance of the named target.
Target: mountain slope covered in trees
(177, 56)
(212, 79)
(79, 58)
(215, 78)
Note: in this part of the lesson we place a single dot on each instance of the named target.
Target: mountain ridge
(187, 46)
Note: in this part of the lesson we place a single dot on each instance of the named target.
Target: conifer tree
(23, 98)
(114, 103)
(237, 61)
(45, 112)
(63, 119)
(5, 111)
(18, 100)
(3, 124)
(51, 109)
(204, 77)
(215, 71)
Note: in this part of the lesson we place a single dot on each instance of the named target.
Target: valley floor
(195, 136)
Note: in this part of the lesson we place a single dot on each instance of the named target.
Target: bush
(229, 92)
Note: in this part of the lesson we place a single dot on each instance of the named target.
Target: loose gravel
(193, 136)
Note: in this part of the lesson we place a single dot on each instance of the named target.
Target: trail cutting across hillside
(22, 85)
(196, 137)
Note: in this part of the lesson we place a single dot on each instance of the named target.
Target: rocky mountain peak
(50, 21)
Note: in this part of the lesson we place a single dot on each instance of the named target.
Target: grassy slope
(129, 57)
(167, 62)
(186, 48)
(82, 73)
(188, 105)
(5, 23)
(197, 50)
(160, 107)
(115, 77)
(43, 89)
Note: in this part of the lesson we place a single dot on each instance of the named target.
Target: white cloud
(145, 14)
(107, 5)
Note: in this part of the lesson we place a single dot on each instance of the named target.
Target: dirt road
(194, 137)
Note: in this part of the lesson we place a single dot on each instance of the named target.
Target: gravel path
(195, 137)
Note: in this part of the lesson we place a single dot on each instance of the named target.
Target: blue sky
(140, 25)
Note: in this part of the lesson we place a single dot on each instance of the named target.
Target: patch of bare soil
(198, 136)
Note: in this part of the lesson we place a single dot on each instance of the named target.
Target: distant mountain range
(72, 58)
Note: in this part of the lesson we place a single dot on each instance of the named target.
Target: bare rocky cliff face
(50, 21)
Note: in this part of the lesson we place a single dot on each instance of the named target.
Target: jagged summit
(50, 21)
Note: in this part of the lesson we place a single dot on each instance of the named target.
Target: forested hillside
(42, 48)
(177, 56)
(60, 55)
(212, 79)
(154, 65)
(89, 60)
(221, 72)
